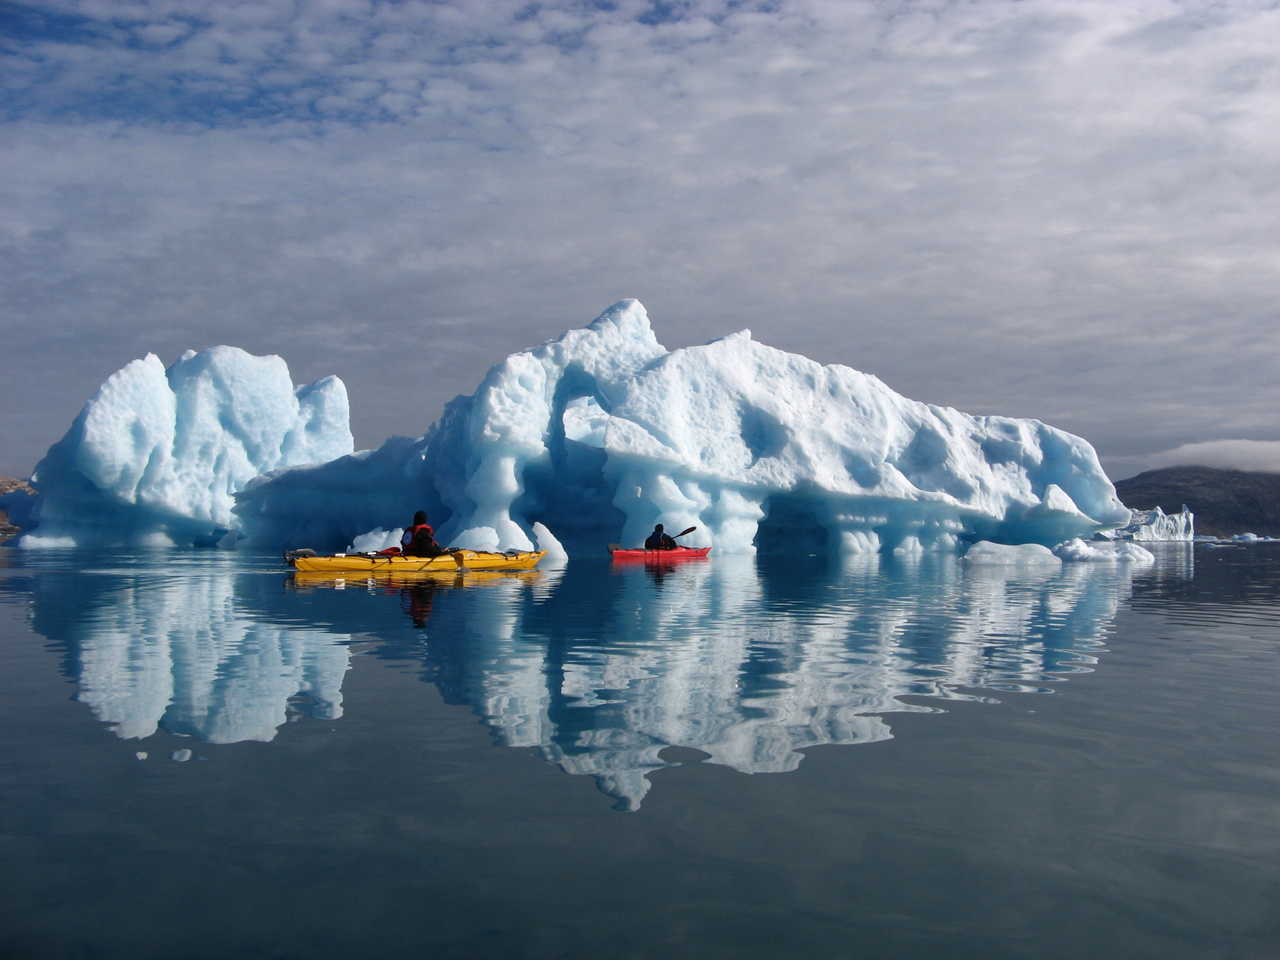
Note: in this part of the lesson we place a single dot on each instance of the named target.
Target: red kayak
(659, 556)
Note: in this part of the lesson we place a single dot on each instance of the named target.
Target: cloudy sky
(1063, 209)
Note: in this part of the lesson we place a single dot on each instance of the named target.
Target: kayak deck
(394, 580)
(445, 563)
(658, 556)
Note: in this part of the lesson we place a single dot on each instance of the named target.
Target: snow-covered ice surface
(602, 433)
(156, 455)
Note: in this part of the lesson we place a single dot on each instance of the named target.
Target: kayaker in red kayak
(659, 548)
(659, 540)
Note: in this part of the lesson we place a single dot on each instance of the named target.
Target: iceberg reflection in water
(599, 668)
(180, 653)
(750, 668)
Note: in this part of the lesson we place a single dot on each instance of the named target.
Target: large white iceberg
(157, 455)
(602, 433)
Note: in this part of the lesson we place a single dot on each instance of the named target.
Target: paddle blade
(683, 532)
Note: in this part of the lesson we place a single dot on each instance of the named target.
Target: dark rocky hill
(1224, 501)
(10, 485)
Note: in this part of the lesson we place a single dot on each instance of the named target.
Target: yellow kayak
(380, 565)
(398, 579)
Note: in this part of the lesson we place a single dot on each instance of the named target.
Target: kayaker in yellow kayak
(420, 539)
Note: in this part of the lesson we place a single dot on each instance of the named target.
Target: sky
(1061, 210)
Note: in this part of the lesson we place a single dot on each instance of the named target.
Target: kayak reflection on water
(417, 592)
(416, 600)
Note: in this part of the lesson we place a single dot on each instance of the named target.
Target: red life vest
(422, 541)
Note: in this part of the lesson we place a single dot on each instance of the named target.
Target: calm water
(203, 756)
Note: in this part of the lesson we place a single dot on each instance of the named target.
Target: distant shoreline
(1225, 502)
(11, 485)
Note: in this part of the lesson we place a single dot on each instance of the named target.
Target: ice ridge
(603, 432)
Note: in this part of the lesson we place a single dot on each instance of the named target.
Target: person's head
(420, 518)
(657, 528)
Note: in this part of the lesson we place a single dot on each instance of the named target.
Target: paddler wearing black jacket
(659, 540)
(420, 539)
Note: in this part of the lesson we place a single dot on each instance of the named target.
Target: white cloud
(1055, 209)
(161, 34)
(1263, 455)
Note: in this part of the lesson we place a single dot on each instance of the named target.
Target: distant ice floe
(1123, 551)
(1239, 539)
(601, 433)
(1079, 551)
(990, 554)
(1156, 525)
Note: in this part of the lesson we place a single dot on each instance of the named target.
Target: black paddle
(683, 532)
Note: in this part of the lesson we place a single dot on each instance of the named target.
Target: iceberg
(590, 438)
(1156, 525)
(156, 455)
(599, 434)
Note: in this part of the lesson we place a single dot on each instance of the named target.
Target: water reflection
(600, 668)
(181, 655)
(751, 669)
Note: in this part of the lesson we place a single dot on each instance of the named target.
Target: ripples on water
(599, 667)
(338, 802)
